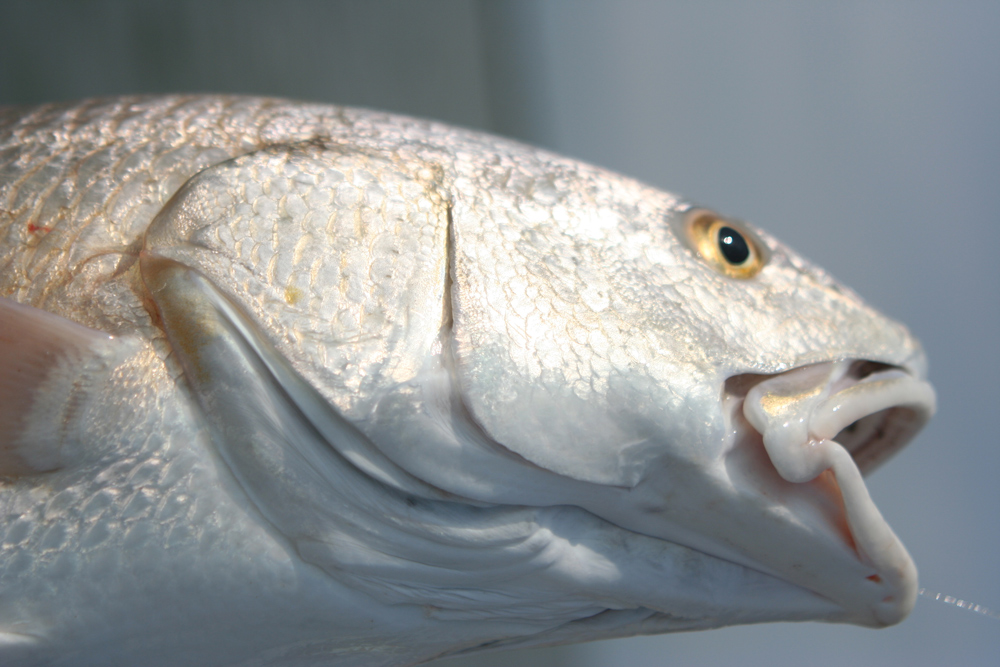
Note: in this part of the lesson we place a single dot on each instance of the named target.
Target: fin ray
(46, 362)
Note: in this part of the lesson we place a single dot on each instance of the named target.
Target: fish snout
(823, 426)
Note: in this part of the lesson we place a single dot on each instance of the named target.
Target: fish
(285, 383)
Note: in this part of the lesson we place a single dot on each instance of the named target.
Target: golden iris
(726, 245)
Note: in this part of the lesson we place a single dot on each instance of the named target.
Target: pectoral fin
(48, 364)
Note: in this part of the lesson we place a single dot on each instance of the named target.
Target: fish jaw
(797, 415)
(796, 508)
(818, 533)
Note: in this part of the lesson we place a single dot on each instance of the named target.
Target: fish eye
(727, 246)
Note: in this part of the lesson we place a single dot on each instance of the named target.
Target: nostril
(877, 579)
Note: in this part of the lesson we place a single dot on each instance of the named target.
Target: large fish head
(520, 351)
(730, 391)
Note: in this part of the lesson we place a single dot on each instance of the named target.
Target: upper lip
(845, 417)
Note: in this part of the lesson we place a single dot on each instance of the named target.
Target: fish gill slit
(461, 410)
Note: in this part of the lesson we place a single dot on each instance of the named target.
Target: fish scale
(126, 182)
(185, 528)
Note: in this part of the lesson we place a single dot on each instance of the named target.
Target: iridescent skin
(382, 390)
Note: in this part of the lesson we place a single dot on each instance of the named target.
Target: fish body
(294, 384)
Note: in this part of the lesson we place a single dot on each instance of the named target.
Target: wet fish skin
(381, 389)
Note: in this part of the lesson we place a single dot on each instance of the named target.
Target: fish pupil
(733, 246)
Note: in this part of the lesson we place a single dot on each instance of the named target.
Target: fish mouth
(822, 427)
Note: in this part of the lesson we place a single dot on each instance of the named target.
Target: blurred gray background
(864, 134)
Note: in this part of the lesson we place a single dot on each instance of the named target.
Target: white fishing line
(957, 602)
